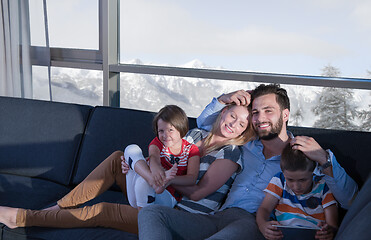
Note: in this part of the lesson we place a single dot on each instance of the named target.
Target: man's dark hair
(295, 160)
(281, 94)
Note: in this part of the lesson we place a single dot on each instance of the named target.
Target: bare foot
(8, 216)
(55, 207)
(159, 190)
(170, 174)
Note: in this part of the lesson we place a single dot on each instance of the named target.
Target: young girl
(167, 151)
(297, 199)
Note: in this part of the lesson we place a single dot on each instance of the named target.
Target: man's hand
(310, 148)
(240, 97)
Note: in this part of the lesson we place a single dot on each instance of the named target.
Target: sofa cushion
(40, 138)
(356, 223)
(39, 233)
(110, 129)
(29, 193)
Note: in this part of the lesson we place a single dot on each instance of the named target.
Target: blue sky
(295, 37)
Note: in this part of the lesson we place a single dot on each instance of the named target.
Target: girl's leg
(131, 177)
(144, 193)
(98, 181)
(141, 194)
(109, 215)
(137, 162)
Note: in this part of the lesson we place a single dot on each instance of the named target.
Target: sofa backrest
(351, 148)
(40, 138)
(110, 129)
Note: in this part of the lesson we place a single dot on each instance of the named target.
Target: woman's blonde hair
(245, 136)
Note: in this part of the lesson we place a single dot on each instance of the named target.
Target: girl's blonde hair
(245, 136)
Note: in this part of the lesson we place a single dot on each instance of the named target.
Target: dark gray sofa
(46, 148)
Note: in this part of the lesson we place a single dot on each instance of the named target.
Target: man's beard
(273, 133)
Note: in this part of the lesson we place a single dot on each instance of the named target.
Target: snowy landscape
(151, 92)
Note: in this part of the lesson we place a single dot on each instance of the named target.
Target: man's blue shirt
(247, 189)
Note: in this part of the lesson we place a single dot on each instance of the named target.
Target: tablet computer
(298, 232)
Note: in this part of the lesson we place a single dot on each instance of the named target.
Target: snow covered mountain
(151, 92)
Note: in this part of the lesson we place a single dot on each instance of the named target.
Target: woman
(220, 161)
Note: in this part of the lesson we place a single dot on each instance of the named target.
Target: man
(261, 157)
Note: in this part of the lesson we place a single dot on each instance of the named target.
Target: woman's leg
(110, 215)
(98, 181)
(118, 216)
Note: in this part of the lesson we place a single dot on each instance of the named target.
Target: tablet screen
(297, 232)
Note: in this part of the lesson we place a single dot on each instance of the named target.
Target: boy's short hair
(175, 116)
(295, 160)
(281, 94)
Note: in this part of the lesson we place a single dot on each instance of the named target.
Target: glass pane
(152, 92)
(69, 85)
(73, 23)
(40, 83)
(77, 86)
(288, 37)
(37, 25)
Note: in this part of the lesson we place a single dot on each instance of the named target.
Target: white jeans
(139, 192)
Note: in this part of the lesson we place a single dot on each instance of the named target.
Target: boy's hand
(124, 166)
(269, 231)
(326, 232)
(240, 97)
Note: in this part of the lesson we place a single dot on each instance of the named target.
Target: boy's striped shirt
(300, 210)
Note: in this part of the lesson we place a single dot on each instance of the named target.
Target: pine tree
(297, 117)
(335, 106)
(365, 116)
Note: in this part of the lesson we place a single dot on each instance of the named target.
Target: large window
(289, 37)
(186, 52)
(308, 106)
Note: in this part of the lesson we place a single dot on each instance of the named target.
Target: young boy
(298, 197)
(173, 161)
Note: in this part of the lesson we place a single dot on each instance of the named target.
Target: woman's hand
(326, 232)
(269, 231)
(240, 97)
(124, 166)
